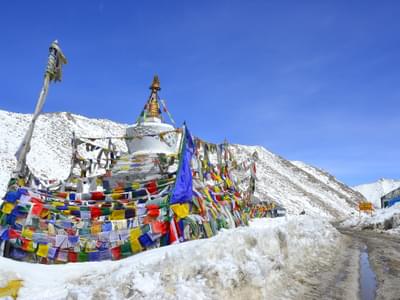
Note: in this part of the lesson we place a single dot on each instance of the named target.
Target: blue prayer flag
(4, 234)
(183, 189)
(145, 240)
(12, 197)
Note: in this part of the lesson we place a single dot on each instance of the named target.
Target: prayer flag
(62, 256)
(43, 250)
(94, 256)
(12, 196)
(72, 256)
(117, 214)
(181, 210)
(13, 234)
(95, 212)
(52, 253)
(145, 240)
(116, 253)
(173, 234)
(82, 257)
(7, 207)
(159, 227)
(96, 228)
(37, 209)
(183, 189)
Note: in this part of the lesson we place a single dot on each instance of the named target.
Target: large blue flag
(183, 189)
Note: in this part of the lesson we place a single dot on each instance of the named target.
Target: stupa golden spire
(153, 107)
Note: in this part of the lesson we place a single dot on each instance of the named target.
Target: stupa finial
(155, 86)
(153, 107)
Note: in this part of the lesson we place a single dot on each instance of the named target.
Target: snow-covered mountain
(375, 190)
(295, 185)
(300, 188)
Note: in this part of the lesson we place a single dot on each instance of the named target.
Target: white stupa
(144, 136)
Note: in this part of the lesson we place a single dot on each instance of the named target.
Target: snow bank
(271, 258)
(386, 219)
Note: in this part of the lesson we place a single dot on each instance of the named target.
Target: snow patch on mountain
(326, 178)
(295, 186)
(375, 190)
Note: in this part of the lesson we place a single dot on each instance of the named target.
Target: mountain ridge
(294, 185)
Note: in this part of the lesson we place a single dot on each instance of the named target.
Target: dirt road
(366, 267)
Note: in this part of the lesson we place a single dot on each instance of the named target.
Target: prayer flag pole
(53, 73)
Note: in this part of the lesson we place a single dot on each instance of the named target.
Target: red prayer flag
(152, 187)
(37, 209)
(95, 212)
(13, 234)
(173, 235)
(159, 227)
(36, 200)
(152, 206)
(116, 253)
(153, 213)
(72, 256)
(98, 195)
(62, 195)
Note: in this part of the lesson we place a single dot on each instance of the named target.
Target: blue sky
(316, 81)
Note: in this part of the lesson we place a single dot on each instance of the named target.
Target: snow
(326, 178)
(270, 258)
(316, 192)
(386, 219)
(375, 190)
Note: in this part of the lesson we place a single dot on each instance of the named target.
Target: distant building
(390, 198)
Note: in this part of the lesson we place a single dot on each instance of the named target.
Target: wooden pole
(53, 73)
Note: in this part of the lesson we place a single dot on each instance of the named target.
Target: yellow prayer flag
(208, 196)
(27, 233)
(115, 196)
(44, 213)
(118, 214)
(207, 228)
(43, 250)
(96, 228)
(228, 182)
(134, 236)
(136, 246)
(181, 210)
(7, 208)
(135, 185)
(135, 233)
